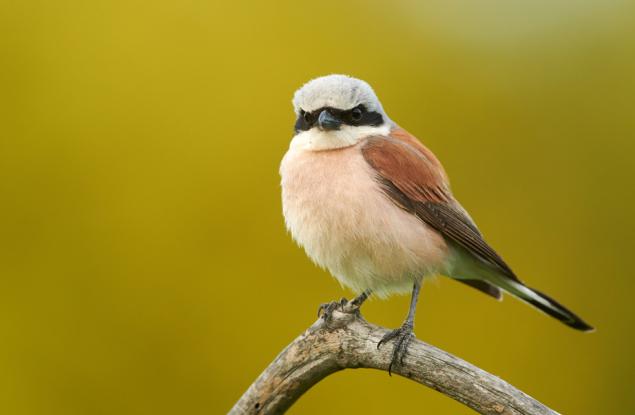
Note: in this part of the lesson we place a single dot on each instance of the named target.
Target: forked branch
(345, 340)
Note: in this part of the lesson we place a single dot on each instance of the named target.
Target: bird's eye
(356, 113)
(306, 116)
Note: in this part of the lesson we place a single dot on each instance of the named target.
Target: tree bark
(342, 339)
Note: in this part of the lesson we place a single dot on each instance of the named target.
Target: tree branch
(345, 340)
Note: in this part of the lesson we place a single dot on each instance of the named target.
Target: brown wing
(415, 180)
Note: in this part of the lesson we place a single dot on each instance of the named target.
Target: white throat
(316, 139)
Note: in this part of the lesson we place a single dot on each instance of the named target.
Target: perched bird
(371, 204)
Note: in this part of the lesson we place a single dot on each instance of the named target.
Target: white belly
(336, 211)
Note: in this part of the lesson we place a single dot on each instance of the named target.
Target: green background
(144, 264)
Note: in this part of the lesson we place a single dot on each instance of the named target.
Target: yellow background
(144, 264)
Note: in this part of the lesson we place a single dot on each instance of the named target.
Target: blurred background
(144, 264)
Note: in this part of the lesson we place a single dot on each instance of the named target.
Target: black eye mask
(353, 117)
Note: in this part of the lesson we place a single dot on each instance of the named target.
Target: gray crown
(336, 91)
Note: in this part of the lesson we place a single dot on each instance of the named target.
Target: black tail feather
(558, 311)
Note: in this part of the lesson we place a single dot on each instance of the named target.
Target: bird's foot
(343, 305)
(326, 309)
(403, 336)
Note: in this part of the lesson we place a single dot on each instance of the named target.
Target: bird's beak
(327, 122)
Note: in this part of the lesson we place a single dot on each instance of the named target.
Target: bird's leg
(327, 309)
(359, 300)
(403, 335)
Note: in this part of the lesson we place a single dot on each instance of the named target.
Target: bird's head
(337, 111)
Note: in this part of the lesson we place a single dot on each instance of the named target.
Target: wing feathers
(453, 225)
(418, 175)
(414, 179)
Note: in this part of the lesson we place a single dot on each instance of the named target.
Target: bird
(372, 205)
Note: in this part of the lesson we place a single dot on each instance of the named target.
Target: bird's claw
(403, 336)
(326, 309)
